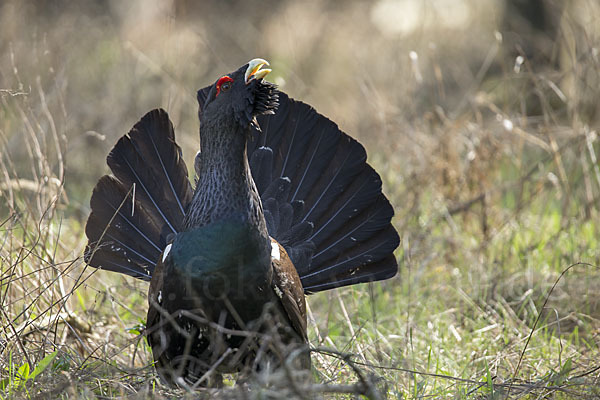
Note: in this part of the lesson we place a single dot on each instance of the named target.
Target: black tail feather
(261, 163)
(135, 210)
(369, 251)
(340, 231)
(355, 233)
(381, 270)
(145, 157)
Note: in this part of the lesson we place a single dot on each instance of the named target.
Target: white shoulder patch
(275, 251)
(278, 292)
(166, 252)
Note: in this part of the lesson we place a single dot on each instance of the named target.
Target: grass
(490, 162)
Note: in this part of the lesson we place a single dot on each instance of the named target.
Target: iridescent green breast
(229, 258)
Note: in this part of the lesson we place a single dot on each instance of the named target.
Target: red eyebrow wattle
(221, 81)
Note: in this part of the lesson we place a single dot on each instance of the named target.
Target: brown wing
(153, 322)
(288, 287)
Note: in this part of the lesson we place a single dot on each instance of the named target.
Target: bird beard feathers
(264, 102)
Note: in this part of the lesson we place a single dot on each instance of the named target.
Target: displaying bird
(284, 205)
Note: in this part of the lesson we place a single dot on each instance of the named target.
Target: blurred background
(480, 115)
(403, 76)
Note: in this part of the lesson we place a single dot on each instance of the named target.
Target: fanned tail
(321, 200)
(145, 200)
(340, 231)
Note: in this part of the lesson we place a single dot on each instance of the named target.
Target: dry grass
(490, 160)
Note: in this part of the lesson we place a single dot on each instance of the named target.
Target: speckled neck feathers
(225, 187)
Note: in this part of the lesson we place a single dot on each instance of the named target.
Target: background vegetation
(480, 115)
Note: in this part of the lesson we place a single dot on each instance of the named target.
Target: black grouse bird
(284, 205)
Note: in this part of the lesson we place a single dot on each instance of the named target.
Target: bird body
(220, 260)
(221, 273)
(284, 204)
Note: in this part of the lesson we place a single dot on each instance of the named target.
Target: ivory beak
(254, 70)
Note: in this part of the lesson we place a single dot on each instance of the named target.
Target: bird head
(242, 94)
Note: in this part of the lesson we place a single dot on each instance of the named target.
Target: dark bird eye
(224, 84)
